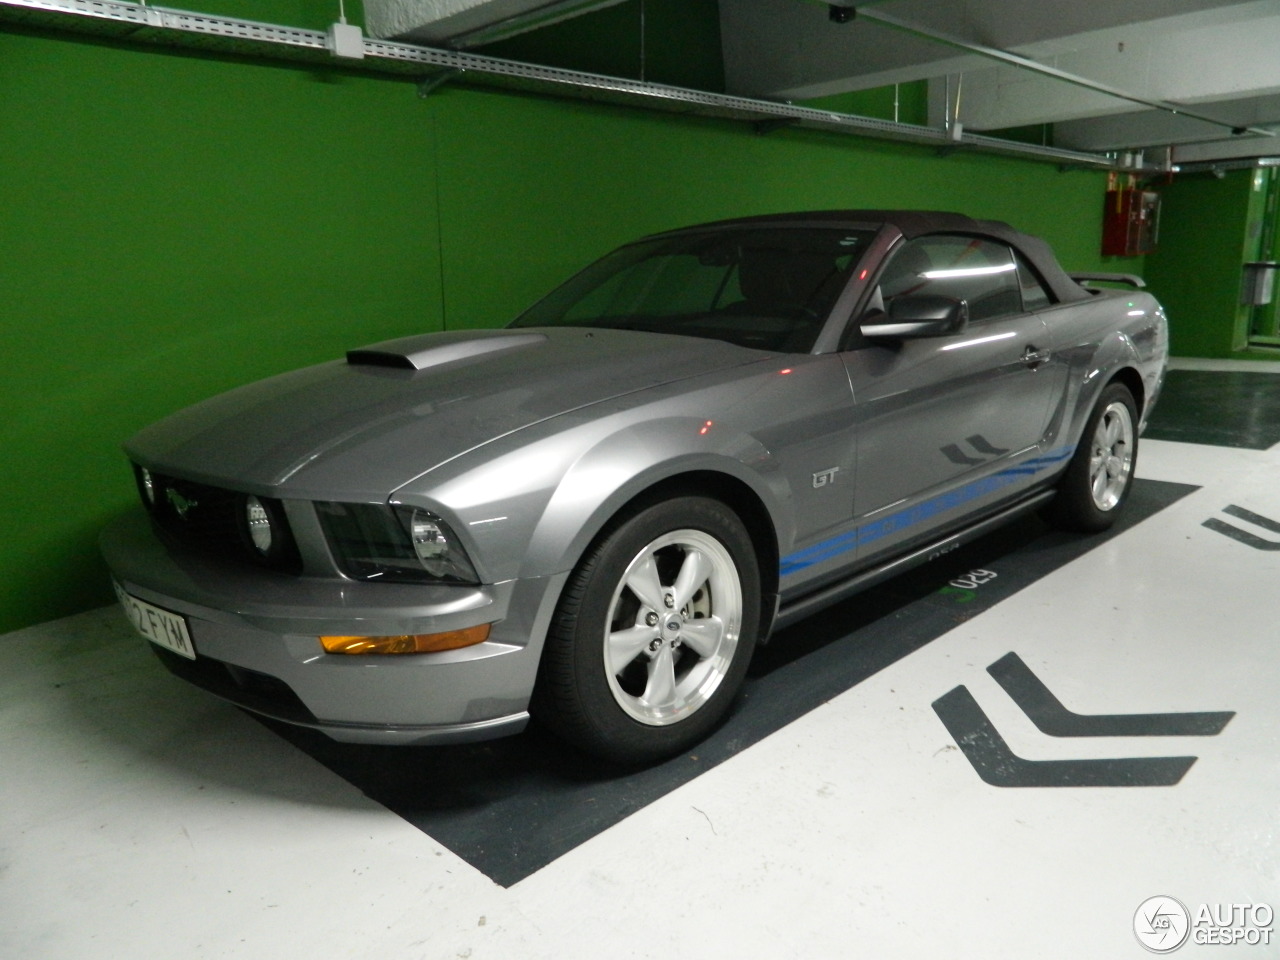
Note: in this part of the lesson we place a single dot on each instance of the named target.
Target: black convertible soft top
(918, 223)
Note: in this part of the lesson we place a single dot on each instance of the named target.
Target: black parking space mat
(1222, 409)
(510, 807)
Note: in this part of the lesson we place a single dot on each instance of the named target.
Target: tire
(653, 633)
(1098, 480)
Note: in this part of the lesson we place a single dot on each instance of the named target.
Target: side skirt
(796, 610)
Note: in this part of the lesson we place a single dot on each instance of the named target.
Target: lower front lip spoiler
(272, 698)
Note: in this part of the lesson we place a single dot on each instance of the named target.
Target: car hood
(360, 428)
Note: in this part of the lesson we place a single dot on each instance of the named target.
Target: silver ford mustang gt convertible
(594, 515)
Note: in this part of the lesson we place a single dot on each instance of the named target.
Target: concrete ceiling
(468, 23)
(1215, 58)
(1198, 77)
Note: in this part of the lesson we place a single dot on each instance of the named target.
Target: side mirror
(925, 315)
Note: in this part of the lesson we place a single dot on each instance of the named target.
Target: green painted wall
(172, 226)
(901, 103)
(1195, 271)
(175, 224)
(515, 171)
(1265, 319)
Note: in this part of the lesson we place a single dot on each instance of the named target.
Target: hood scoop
(434, 350)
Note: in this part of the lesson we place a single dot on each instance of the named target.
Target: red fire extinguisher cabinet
(1130, 222)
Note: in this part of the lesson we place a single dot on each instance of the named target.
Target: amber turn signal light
(409, 642)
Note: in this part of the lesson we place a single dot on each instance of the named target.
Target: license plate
(169, 630)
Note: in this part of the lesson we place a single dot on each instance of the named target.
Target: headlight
(397, 543)
(433, 543)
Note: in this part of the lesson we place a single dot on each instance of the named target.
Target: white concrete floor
(143, 819)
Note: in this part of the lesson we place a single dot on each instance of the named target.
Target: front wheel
(653, 634)
(1100, 475)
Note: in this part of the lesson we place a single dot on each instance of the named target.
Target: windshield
(770, 288)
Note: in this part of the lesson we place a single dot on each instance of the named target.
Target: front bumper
(255, 633)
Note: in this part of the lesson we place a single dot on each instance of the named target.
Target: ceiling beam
(1032, 66)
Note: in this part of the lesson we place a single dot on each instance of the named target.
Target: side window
(1034, 295)
(980, 272)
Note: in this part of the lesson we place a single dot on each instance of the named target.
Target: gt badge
(824, 477)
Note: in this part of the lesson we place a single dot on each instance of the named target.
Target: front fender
(653, 453)
(528, 505)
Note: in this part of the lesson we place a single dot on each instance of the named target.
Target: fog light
(258, 522)
(148, 486)
(409, 642)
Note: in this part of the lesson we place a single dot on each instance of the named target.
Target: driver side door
(949, 425)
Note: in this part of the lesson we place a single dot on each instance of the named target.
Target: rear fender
(1117, 358)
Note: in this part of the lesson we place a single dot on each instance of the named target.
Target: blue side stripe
(920, 513)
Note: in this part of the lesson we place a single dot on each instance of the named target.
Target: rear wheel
(654, 633)
(1097, 482)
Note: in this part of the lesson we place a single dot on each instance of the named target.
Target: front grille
(212, 520)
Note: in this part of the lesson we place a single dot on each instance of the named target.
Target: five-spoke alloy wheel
(673, 627)
(1111, 455)
(1100, 475)
(653, 633)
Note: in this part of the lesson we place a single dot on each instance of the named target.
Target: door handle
(1033, 357)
